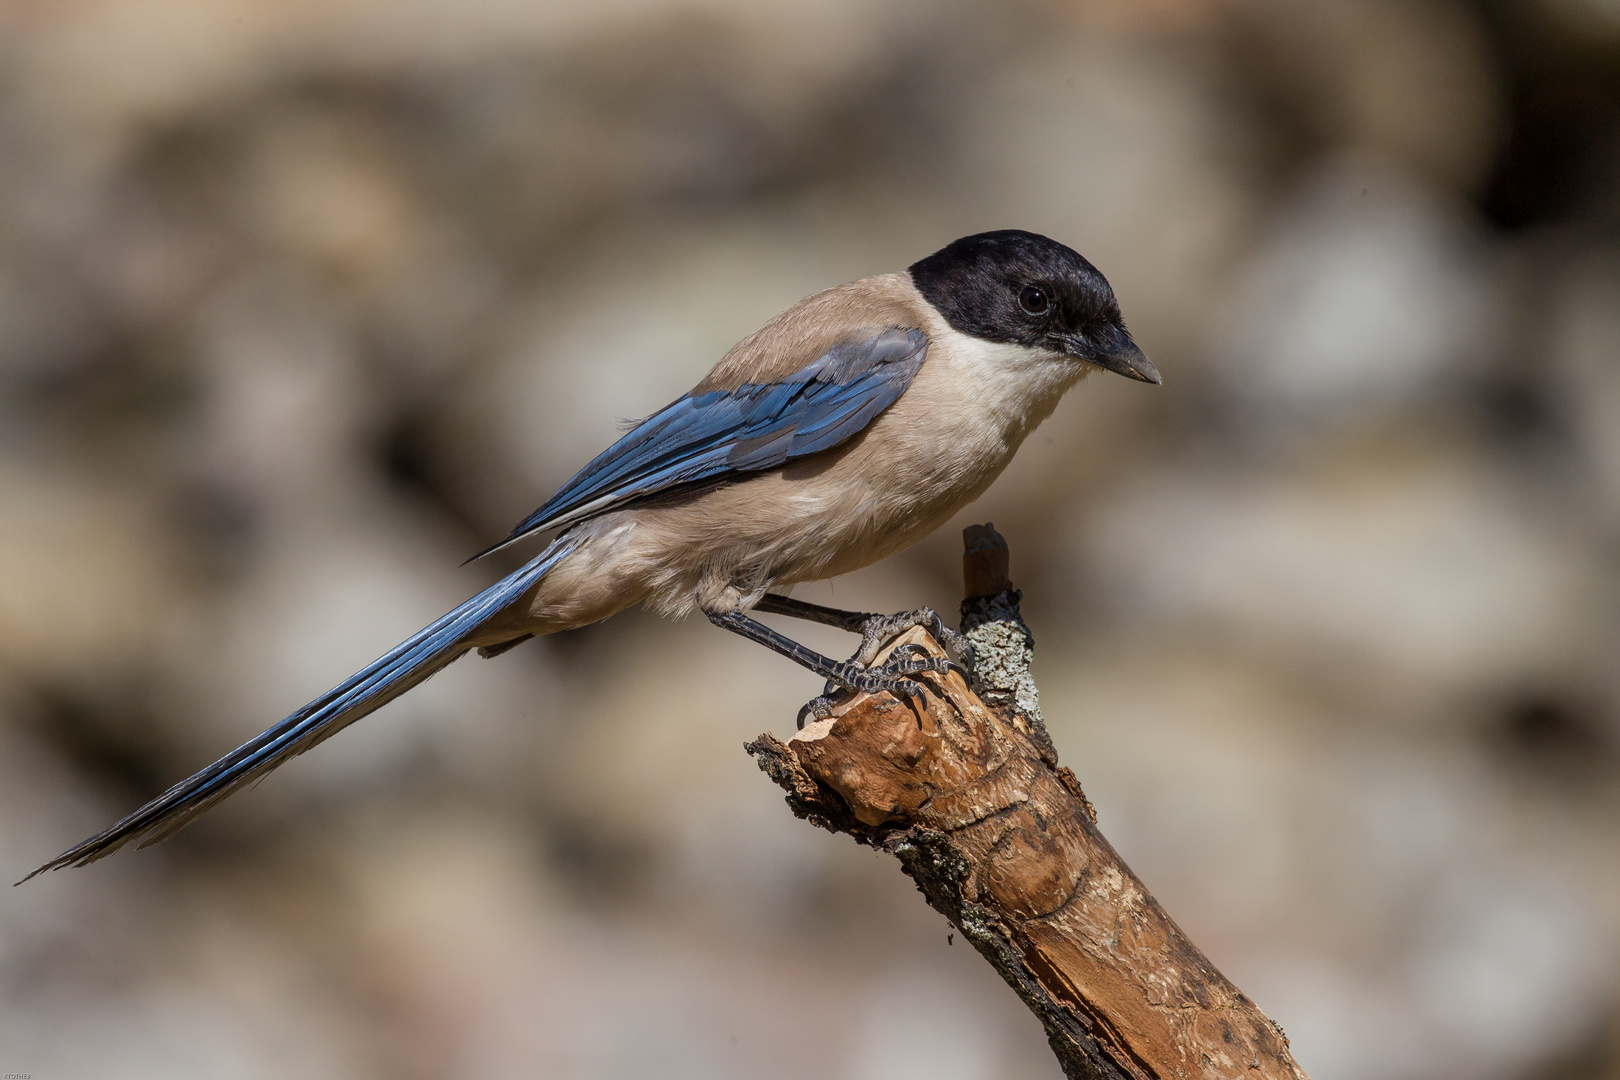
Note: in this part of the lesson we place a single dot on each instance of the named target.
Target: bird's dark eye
(1032, 298)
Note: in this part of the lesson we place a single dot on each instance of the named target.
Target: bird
(842, 431)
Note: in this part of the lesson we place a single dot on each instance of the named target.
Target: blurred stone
(45, 810)
(1364, 297)
(1408, 80)
(89, 586)
(283, 409)
(327, 191)
(1581, 20)
(912, 1034)
(1585, 346)
(234, 1011)
(1401, 572)
(46, 325)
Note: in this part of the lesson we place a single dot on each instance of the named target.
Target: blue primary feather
(754, 427)
(406, 665)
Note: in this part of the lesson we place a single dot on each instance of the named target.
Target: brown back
(791, 340)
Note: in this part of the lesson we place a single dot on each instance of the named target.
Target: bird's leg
(876, 630)
(896, 675)
(777, 604)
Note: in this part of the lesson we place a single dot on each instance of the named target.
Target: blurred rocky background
(301, 303)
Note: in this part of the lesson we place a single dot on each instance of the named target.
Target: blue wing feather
(749, 429)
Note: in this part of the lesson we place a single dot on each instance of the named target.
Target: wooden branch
(967, 792)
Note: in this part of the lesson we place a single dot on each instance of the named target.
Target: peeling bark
(966, 791)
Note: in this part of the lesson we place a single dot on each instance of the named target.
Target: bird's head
(1020, 288)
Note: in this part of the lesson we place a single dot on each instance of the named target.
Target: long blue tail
(404, 666)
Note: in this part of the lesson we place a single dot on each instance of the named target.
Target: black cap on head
(1021, 288)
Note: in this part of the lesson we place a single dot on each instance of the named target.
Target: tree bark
(965, 789)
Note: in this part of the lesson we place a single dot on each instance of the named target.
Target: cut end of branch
(986, 562)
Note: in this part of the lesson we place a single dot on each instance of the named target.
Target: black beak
(1119, 355)
(1110, 347)
(1127, 360)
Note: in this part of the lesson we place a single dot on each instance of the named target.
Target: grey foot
(897, 675)
(879, 630)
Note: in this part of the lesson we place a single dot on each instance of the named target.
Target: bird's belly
(811, 520)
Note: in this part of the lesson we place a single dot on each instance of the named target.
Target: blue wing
(754, 427)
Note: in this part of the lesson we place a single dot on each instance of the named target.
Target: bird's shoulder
(807, 330)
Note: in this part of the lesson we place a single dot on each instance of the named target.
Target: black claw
(958, 644)
(818, 708)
